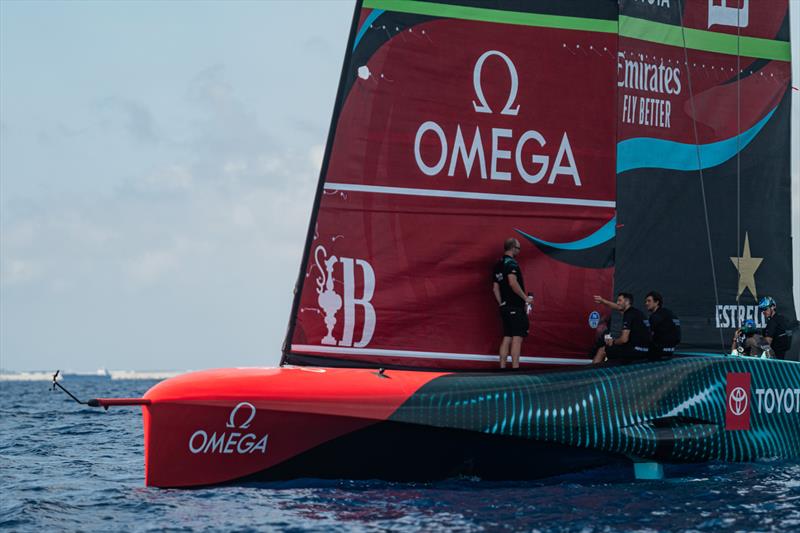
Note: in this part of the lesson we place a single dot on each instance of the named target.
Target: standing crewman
(634, 341)
(509, 291)
(665, 328)
(776, 332)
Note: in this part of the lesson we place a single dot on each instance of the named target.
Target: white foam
(138, 374)
(28, 376)
(108, 374)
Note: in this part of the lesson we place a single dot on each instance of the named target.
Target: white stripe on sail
(310, 349)
(436, 193)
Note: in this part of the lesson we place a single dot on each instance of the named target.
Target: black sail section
(703, 170)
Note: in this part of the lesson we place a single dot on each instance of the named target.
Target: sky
(158, 162)
(157, 170)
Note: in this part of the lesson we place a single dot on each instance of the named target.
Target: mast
(794, 16)
(298, 287)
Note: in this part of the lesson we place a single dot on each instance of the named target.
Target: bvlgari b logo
(331, 301)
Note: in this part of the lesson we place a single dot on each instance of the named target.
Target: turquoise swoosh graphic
(646, 152)
(604, 234)
(364, 27)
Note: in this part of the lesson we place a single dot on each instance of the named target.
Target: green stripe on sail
(709, 41)
(493, 15)
(635, 28)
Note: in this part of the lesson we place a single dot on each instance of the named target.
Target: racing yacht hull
(226, 425)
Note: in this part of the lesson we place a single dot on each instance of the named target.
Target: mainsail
(576, 127)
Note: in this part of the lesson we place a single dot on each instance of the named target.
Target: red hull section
(219, 425)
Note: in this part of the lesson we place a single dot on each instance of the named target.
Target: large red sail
(457, 126)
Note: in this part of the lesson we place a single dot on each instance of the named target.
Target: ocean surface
(64, 466)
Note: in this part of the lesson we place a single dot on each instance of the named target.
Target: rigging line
(738, 154)
(700, 167)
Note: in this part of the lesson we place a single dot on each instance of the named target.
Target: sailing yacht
(629, 145)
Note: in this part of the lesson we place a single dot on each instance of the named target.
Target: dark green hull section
(681, 410)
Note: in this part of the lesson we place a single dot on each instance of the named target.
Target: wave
(102, 374)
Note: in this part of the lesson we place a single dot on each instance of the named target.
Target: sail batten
(492, 197)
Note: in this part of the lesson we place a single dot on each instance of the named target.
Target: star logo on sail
(747, 266)
(734, 315)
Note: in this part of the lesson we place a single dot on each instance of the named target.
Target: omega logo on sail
(564, 161)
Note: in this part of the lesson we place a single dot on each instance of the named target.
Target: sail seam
(464, 195)
(738, 152)
(700, 171)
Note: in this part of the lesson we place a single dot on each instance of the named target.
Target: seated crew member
(747, 341)
(665, 328)
(776, 332)
(508, 288)
(634, 341)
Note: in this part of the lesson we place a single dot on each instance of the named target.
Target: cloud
(139, 121)
(151, 266)
(18, 271)
(316, 45)
(201, 231)
(315, 155)
(136, 118)
(225, 128)
(172, 177)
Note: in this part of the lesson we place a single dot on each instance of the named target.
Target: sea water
(64, 466)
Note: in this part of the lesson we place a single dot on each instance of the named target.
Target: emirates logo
(737, 401)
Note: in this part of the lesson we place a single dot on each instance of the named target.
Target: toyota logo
(737, 401)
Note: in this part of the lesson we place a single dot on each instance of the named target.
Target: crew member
(509, 291)
(747, 341)
(634, 341)
(776, 332)
(665, 328)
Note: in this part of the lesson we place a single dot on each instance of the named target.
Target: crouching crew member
(776, 332)
(634, 341)
(747, 341)
(665, 328)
